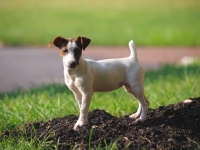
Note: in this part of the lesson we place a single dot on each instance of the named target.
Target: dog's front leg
(78, 98)
(83, 118)
(77, 94)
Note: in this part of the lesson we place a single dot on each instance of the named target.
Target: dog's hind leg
(137, 114)
(144, 103)
(138, 92)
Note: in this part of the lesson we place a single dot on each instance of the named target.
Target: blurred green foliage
(155, 22)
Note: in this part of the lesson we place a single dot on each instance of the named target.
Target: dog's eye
(65, 51)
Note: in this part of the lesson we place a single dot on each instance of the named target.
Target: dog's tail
(132, 49)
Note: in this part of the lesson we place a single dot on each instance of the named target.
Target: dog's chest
(71, 79)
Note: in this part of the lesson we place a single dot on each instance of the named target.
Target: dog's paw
(139, 120)
(79, 124)
(134, 116)
(76, 127)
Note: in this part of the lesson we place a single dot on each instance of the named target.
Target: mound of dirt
(167, 127)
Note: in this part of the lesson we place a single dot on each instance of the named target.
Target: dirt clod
(167, 127)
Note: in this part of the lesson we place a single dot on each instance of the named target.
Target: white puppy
(84, 76)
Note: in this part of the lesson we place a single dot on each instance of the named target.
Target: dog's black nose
(73, 64)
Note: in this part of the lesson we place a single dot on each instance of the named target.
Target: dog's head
(71, 49)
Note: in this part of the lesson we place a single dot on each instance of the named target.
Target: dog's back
(107, 72)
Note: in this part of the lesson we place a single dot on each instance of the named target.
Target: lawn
(168, 23)
(167, 85)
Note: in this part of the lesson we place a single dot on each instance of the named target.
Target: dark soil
(167, 127)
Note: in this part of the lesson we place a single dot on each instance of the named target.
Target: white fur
(69, 58)
(105, 75)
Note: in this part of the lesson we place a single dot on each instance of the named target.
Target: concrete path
(25, 67)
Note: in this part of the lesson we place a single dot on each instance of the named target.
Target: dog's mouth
(73, 64)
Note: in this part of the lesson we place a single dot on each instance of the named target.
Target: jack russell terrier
(85, 76)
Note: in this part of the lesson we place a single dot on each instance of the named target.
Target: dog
(85, 76)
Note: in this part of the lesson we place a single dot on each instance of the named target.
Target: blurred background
(164, 32)
(26, 22)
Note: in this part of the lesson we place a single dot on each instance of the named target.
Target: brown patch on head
(77, 53)
(83, 42)
(58, 42)
(62, 53)
(61, 43)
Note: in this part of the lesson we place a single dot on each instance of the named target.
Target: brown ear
(58, 42)
(83, 41)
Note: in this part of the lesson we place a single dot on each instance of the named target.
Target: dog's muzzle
(73, 64)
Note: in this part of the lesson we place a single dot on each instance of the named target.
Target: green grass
(167, 85)
(110, 22)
